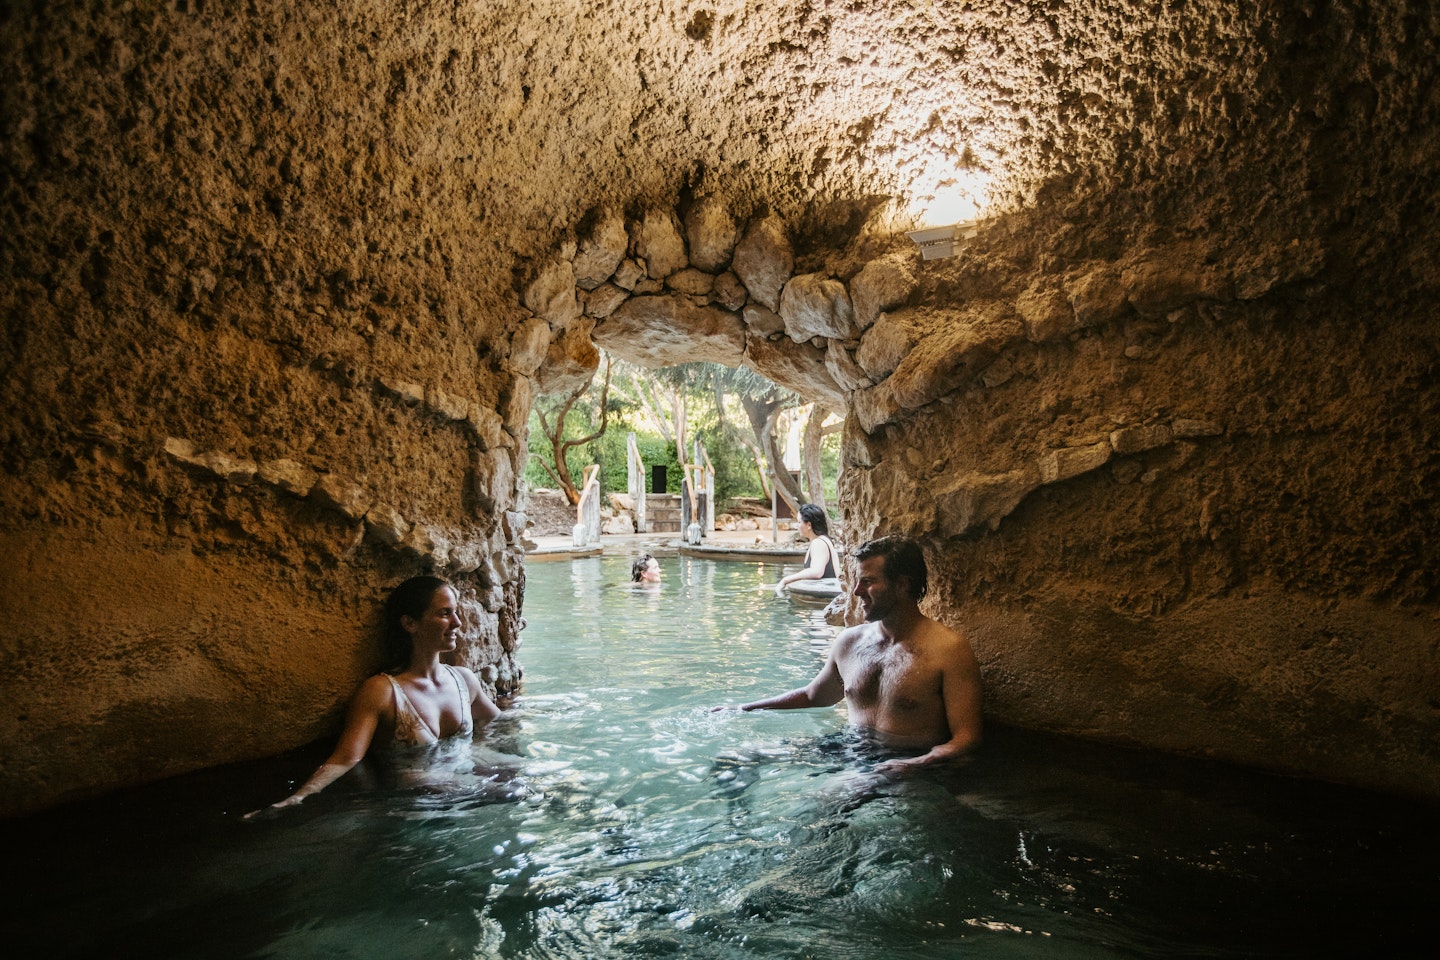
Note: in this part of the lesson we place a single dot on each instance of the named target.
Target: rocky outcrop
(280, 285)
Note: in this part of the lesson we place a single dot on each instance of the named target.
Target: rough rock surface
(1166, 425)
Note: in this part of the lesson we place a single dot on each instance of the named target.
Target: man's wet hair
(637, 569)
(903, 558)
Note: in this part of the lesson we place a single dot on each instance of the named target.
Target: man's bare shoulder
(946, 642)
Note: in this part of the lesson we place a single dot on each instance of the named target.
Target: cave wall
(279, 285)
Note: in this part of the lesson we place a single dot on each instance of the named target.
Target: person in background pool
(645, 569)
(424, 704)
(821, 561)
(910, 683)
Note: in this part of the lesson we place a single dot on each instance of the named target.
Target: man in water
(911, 683)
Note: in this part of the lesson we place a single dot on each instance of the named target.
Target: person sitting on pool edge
(645, 569)
(426, 703)
(820, 560)
(911, 683)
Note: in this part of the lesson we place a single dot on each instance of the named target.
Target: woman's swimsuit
(829, 557)
(411, 729)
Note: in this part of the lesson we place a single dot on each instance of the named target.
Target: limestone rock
(949, 357)
(1159, 282)
(603, 300)
(665, 330)
(550, 294)
(1096, 295)
(488, 425)
(886, 343)
(1185, 429)
(410, 394)
(427, 543)
(875, 406)
(880, 285)
(1046, 313)
(712, 234)
(600, 251)
(764, 260)
(515, 406)
(494, 480)
(690, 281)
(1137, 439)
(978, 500)
(795, 366)
(621, 523)
(289, 476)
(385, 524)
(528, 346)
(447, 405)
(236, 470)
(571, 361)
(814, 305)
(628, 274)
(843, 368)
(1058, 465)
(762, 322)
(728, 291)
(343, 495)
(657, 241)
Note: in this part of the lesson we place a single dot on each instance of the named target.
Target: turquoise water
(650, 827)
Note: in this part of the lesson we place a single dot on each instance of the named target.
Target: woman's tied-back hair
(814, 516)
(903, 558)
(410, 599)
(637, 569)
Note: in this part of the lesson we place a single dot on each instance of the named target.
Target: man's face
(876, 592)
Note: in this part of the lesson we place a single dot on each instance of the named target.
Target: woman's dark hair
(816, 518)
(637, 569)
(410, 599)
(903, 558)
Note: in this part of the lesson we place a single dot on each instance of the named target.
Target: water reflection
(650, 826)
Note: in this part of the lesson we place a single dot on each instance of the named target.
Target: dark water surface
(654, 828)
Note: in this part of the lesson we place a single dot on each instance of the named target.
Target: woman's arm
(814, 568)
(482, 708)
(373, 701)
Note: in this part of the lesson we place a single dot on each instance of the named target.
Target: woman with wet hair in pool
(821, 559)
(424, 704)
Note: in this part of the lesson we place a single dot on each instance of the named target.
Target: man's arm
(960, 694)
(825, 690)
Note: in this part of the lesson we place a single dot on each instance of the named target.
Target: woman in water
(422, 706)
(821, 562)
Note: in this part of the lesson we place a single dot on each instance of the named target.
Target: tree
(555, 430)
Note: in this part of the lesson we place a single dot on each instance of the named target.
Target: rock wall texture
(280, 281)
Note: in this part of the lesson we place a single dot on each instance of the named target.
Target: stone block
(885, 345)
(728, 291)
(762, 322)
(712, 234)
(1058, 465)
(488, 426)
(843, 368)
(528, 346)
(1183, 429)
(600, 251)
(696, 283)
(880, 285)
(604, 300)
(289, 476)
(410, 394)
(814, 305)
(764, 260)
(657, 241)
(795, 366)
(658, 331)
(338, 493)
(446, 405)
(1128, 440)
(385, 524)
(550, 293)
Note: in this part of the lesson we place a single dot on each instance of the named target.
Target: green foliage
(735, 474)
